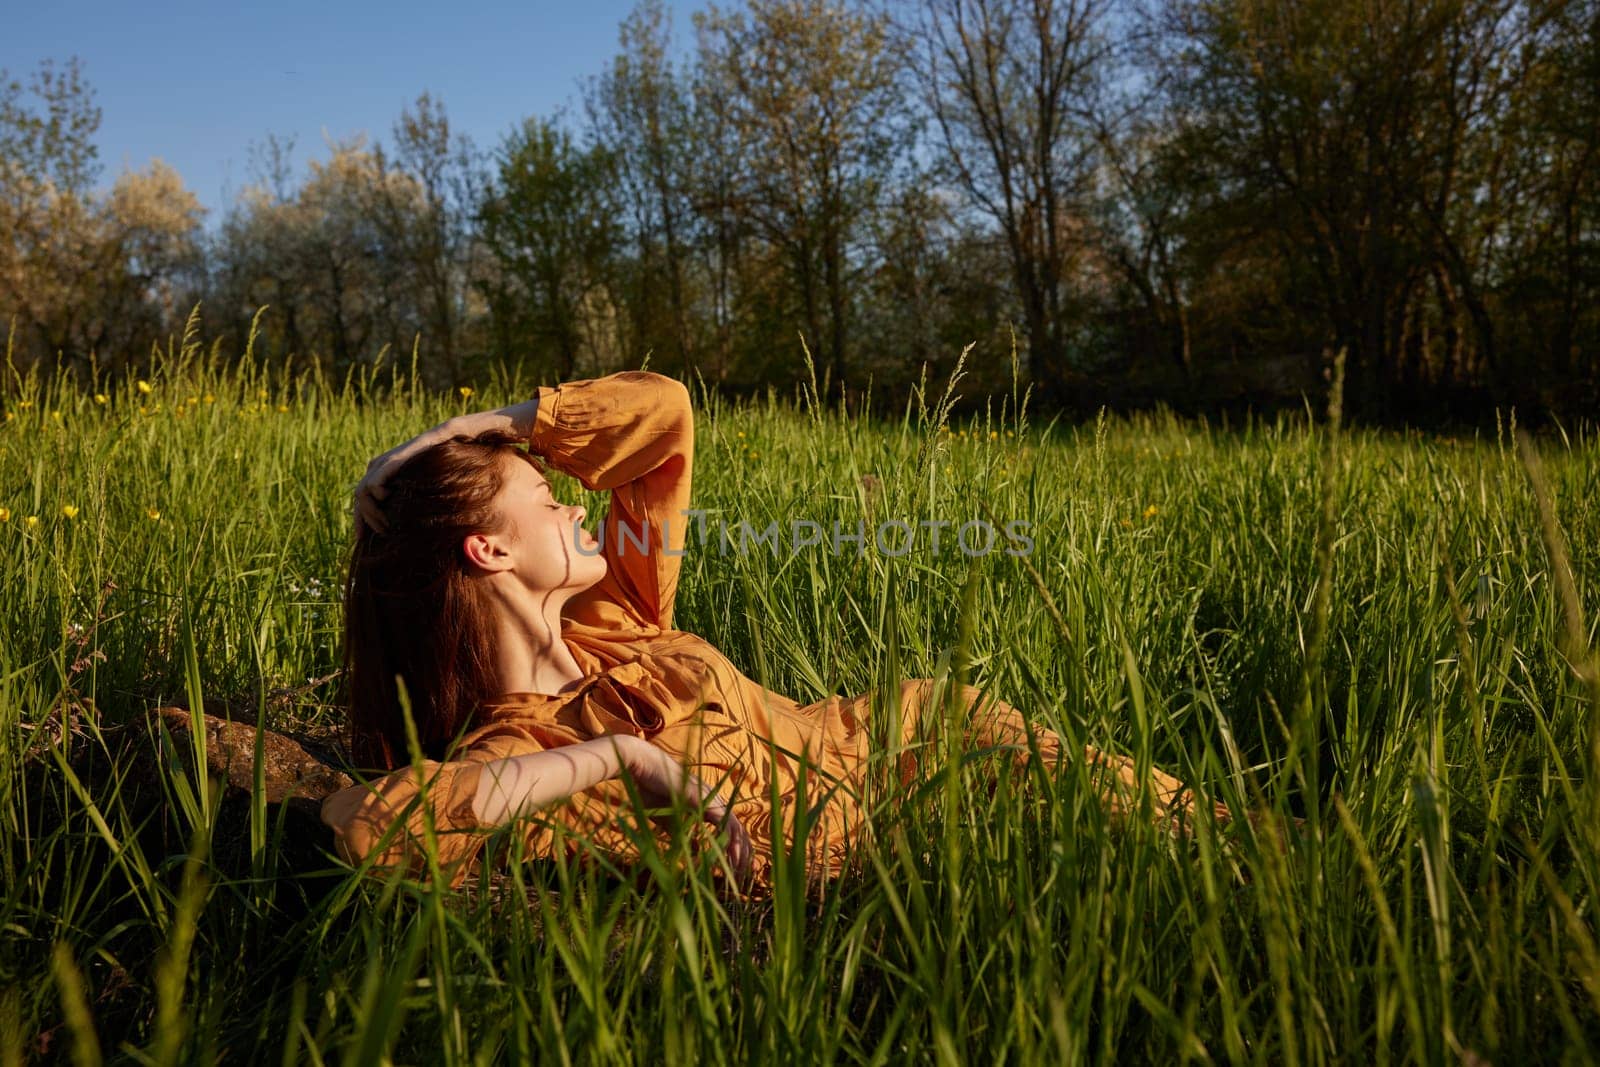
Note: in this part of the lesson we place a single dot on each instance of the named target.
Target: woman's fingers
(369, 512)
(371, 491)
(658, 774)
(740, 851)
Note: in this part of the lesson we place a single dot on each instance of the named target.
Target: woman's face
(549, 548)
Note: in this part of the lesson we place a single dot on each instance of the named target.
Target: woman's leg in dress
(991, 722)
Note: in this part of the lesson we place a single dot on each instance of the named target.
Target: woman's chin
(599, 572)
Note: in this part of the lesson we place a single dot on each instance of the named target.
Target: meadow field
(1371, 632)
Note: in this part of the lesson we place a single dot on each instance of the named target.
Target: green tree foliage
(433, 224)
(641, 110)
(85, 274)
(1014, 88)
(323, 257)
(814, 112)
(548, 223)
(1547, 295)
(1371, 147)
(372, 251)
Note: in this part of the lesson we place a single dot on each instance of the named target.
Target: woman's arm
(517, 786)
(467, 797)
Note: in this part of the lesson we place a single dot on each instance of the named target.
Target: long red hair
(414, 614)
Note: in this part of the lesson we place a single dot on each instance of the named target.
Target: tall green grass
(1414, 690)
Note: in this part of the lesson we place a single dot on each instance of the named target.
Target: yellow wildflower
(69, 510)
(5, 514)
(993, 435)
(1151, 512)
(209, 399)
(143, 410)
(193, 400)
(31, 521)
(10, 415)
(102, 399)
(261, 394)
(24, 404)
(56, 415)
(283, 409)
(466, 392)
(740, 435)
(144, 386)
(154, 514)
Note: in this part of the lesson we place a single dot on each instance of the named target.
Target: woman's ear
(486, 552)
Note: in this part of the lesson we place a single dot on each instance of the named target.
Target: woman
(553, 657)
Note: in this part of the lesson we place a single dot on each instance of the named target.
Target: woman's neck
(529, 654)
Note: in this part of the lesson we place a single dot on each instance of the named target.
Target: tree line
(1135, 200)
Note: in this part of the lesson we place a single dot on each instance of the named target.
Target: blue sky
(195, 84)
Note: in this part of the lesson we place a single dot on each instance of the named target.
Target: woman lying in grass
(551, 655)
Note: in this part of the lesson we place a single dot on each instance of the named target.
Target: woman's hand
(658, 774)
(516, 419)
(741, 853)
(370, 491)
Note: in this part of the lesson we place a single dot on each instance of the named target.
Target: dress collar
(639, 696)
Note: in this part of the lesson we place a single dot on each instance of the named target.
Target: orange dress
(632, 434)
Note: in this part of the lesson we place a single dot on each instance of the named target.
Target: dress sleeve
(386, 819)
(631, 433)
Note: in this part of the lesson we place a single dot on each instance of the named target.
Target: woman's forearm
(511, 787)
(515, 786)
(517, 419)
